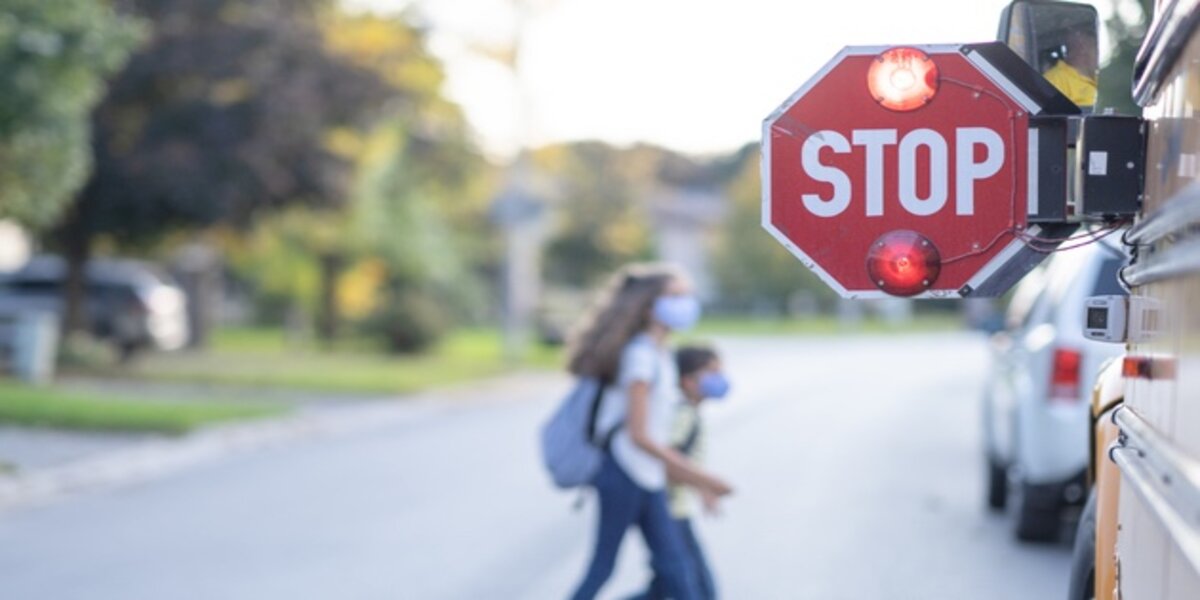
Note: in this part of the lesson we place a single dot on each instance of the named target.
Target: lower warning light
(903, 263)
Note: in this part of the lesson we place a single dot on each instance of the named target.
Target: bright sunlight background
(692, 75)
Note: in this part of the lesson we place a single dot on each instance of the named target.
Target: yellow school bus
(1142, 522)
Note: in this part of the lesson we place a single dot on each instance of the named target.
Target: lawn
(257, 357)
(824, 325)
(48, 407)
(264, 357)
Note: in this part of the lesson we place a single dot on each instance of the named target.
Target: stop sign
(906, 171)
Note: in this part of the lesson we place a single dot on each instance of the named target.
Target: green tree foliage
(407, 247)
(421, 190)
(280, 258)
(403, 214)
(755, 272)
(54, 55)
(1126, 28)
(223, 113)
(602, 201)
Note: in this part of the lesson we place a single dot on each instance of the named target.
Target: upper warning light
(903, 79)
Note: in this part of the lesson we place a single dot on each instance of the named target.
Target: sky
(696, 76)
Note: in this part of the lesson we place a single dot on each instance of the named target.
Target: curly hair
(621, 311)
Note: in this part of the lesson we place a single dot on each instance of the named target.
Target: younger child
(700, 378)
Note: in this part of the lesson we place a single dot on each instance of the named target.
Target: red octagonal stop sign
(925, 148)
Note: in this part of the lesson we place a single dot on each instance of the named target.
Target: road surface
(856, 462)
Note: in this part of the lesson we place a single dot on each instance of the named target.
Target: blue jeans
(622, 504)
(700, 570)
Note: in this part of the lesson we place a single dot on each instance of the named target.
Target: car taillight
(1065, 375)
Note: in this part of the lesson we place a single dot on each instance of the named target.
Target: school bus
(1139, 537)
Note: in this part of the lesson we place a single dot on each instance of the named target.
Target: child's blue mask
(677, 312)
(713, 385)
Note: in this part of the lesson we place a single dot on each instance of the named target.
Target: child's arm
(679, 467)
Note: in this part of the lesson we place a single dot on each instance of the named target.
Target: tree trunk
(77, 250)
(327, 309)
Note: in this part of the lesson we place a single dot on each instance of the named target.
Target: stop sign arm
(1016, 260)
(842, 165)
(1010, 72)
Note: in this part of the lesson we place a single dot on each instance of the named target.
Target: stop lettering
(875, 142)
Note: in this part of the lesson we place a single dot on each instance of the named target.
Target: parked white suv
(130, 303)
(1036, 400)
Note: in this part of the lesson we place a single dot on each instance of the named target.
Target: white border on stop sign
(986, 68)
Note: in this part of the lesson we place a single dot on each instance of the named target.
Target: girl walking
(625, 343)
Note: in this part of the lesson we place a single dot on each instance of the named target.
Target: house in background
(685, 220)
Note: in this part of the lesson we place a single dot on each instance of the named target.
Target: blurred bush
(360, 288)
(408, 321)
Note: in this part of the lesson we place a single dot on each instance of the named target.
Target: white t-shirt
(642, 360)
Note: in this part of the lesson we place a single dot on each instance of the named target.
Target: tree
(421, 186)
(413, 231)
(601, 206)
(753, 270)
(54, 55)
(224, 113)
(1126, 28)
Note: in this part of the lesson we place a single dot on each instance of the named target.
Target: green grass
(47, 407)
(263, 357)
(259, 357)
(823, 325)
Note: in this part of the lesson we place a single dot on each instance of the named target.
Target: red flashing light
(903, 79)
(1144, 367)
(903, 263)
(1133, 367)
(1065, 374)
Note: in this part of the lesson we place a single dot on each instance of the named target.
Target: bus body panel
(1150, 564)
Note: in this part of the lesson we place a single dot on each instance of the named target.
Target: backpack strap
(594, 411)
(612, 433)
(689, 443)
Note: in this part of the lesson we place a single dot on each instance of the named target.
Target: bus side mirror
(1058, 39)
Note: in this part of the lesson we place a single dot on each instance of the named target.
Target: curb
(160, 457)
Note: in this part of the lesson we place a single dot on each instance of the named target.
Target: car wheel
(997, 484)
(1038, 518)
(1083, 558)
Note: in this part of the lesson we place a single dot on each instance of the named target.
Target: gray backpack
(571, 449)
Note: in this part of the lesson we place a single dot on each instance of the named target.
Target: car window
(110, 292)
(1107, 282)
(1025, 299)
(34, 286)
(1038, 313)
(1062, 272)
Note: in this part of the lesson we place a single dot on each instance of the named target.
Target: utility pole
(517, 210)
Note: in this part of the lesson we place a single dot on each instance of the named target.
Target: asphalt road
(856, 463)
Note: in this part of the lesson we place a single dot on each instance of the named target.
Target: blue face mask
(677, 312)
(713, 385)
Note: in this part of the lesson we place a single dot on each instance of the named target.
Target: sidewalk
(45, 465)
